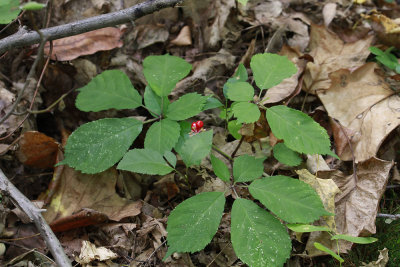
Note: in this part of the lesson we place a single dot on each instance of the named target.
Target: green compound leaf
(285, 155)
(110, 89)
(271, 69)
(194, 222)
(233, 128)
(9, 10)
(146, 161)
(247, 168)
(153, 102)
(32, 5)
(163, 72)
(239, 91)
(291, 200)
(258, 238)
(162, 135)
(327, 250)
(220, 169)
(186, 106)
(98, 145)
(195, 148)
(306, 228)
(299, 131)
(355, 239)
(246, 112)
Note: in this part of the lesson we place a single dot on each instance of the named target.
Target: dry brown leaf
(89, 253)
(37, 150)
(288, 86)
(217, 31)
(329, 12)
(184, 37)
(386, 29)
(357, 205)
(362, 102)
(382, 260)
(78, 191)
(88, 43)
(6, 101)
(330, 53)
(148, 34)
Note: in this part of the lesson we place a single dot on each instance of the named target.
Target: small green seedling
(258, 235)
(386, 58)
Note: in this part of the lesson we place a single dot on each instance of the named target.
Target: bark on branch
(24, 38)
(34, 214)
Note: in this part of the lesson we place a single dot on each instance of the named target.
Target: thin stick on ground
(34, 214)
(25, 38)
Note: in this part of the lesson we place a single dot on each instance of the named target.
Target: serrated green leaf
(271, 69)
(194, 222)
(146, 161)
(247, 168)
(258, 238)
(306, 228)
(9, 10)
(98, 145)
(32, 5)
(233, 128)
(355, 239)
(153, 102)
(211, 103)
(285, 155)
(110, 89)
(327, 250)
(239, 91)
(186, 106)
(170, 157)
(299, 131)
(246, 112)
(195, 148)
(220, 169)
(163, 72)
(291, 200)
(162, 135)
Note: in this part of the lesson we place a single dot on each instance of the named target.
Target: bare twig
(81, 26)
(34, 214)
(389, 216)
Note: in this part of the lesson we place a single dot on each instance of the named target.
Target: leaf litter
(361, 114)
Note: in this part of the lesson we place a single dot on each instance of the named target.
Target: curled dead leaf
(88, 43)
(184, 37)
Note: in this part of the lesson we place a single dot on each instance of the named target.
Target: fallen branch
(34, 214)
(24, 37)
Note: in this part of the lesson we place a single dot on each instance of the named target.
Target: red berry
(196, 126)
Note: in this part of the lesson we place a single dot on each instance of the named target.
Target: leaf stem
(151, 120)
(222, 153)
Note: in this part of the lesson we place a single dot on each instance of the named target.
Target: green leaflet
(220, 169)
(162, 135)
(153, 102)
(9, 10)
(239, 76)
(299, 131)
(247, 168)
(163, 72)
(186, 106)
(271, 69)
(146, 161)
(195, 148)
(194, 222)
(355, 239)
(110, 89)
(306, 228)
(327, 250)
(285, 155)
(211, 103)
(291, 200)
(98, 145)
(32, 5)
(239, 91)
(233, 128)
(258, 238)
(246, 112)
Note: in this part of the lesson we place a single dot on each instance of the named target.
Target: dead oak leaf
(77, 192)
(363, 104)
(330, 53)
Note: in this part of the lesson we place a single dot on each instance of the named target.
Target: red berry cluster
(197, 126)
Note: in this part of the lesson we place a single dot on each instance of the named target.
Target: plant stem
(237, 148)
(151, 120)
(222, 153)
